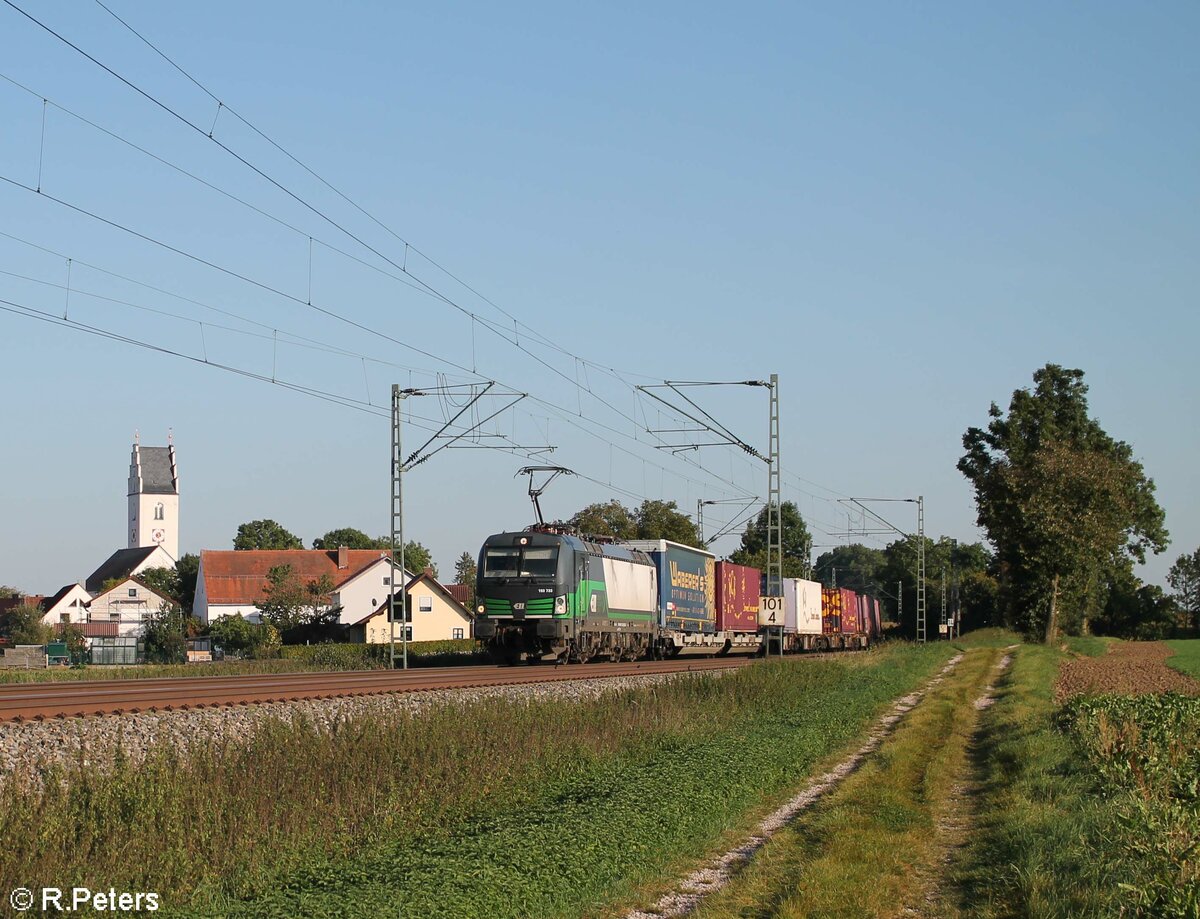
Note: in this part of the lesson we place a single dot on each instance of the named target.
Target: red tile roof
(238, 577)
(460, 592)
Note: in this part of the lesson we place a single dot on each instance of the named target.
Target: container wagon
(802, 615)
(737, 606)
(687, 597)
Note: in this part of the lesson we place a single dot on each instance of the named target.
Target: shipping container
(877, 614)
(737, 597)
(849, 623)
(802, 600)
(687, 587)
(864, 614)
(831, 611)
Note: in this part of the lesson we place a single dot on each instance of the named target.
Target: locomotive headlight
(481, 608)
(560, 604)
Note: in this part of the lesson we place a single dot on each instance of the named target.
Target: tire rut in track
(956, 815)
(685, 896)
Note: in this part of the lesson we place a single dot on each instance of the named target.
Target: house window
(387, 579)
(114, 617)
(133, 591)
(158, 511)
(64, 617)
(425, 604)
(457, 633)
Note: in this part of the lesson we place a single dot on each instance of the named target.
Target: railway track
(40, 701)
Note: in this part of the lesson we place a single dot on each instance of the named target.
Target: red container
(737, 597)
(876, 618)
(831, 610)
(850, 620)
(864, 613)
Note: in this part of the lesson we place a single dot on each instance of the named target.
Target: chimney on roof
(343, 558)
(429, 573)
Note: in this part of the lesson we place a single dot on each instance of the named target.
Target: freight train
(549, 594)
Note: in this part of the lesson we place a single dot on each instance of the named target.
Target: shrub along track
(20, 701)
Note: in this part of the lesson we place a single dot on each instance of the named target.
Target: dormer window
(158, 511)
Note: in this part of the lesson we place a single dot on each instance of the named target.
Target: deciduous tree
(265, 534)
(22, 625)
(1061, 500)
(350, 538)
(612, 519)
(797, 542)
(1184, 578)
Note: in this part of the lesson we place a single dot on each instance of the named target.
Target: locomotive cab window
(532, 562)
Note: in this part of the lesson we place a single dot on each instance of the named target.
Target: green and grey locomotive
(544, 594)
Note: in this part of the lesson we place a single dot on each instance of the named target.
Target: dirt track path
(1129, 667)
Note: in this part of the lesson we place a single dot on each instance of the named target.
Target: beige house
(434, 615)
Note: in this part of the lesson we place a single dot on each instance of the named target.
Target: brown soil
(1130, 667)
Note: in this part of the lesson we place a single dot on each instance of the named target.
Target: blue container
(687, 585)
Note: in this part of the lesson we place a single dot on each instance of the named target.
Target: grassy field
(860, 852)
(489, 809)
(1187, 656)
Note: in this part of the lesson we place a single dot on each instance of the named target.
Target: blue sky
(903, 210)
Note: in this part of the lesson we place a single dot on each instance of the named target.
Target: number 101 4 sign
(770, 610)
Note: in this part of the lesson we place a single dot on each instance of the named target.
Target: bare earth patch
(1131, 667)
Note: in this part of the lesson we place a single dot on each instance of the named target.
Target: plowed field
(1129, 667)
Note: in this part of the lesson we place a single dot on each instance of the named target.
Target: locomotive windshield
(514, 562)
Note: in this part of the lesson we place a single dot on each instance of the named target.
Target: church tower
(154, 497)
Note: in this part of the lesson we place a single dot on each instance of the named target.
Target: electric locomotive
(547, 594)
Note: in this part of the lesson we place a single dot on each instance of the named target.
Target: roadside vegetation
(454, 811)
(866, 849)
(292, 659)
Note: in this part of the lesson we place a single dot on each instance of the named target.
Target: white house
(126, 563)
(68, 605)
(128, 604)
(232, 583)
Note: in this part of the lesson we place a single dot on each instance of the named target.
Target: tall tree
(163, 580)
(188, 569)
(464, 573)
(265, 534)
(350, 538)
(612, 519)
(1061, 500)
(663, 520)
(22, 625)
(417, 558)
(7, 592)
(165, 635)
(1184, 578)
(855, 566)
(797, 542)
(300, 611)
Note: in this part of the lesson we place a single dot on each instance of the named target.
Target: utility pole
(945, 627)
(899, 602)
(833, 576)
(397, 535)
(444, 437)
(774, 507)
(921, 569)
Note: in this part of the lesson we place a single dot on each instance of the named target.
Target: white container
(802, 600)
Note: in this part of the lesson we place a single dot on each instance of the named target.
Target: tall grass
(302, 819)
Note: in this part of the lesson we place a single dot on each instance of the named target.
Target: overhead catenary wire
(317, 211)
(420, 285)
